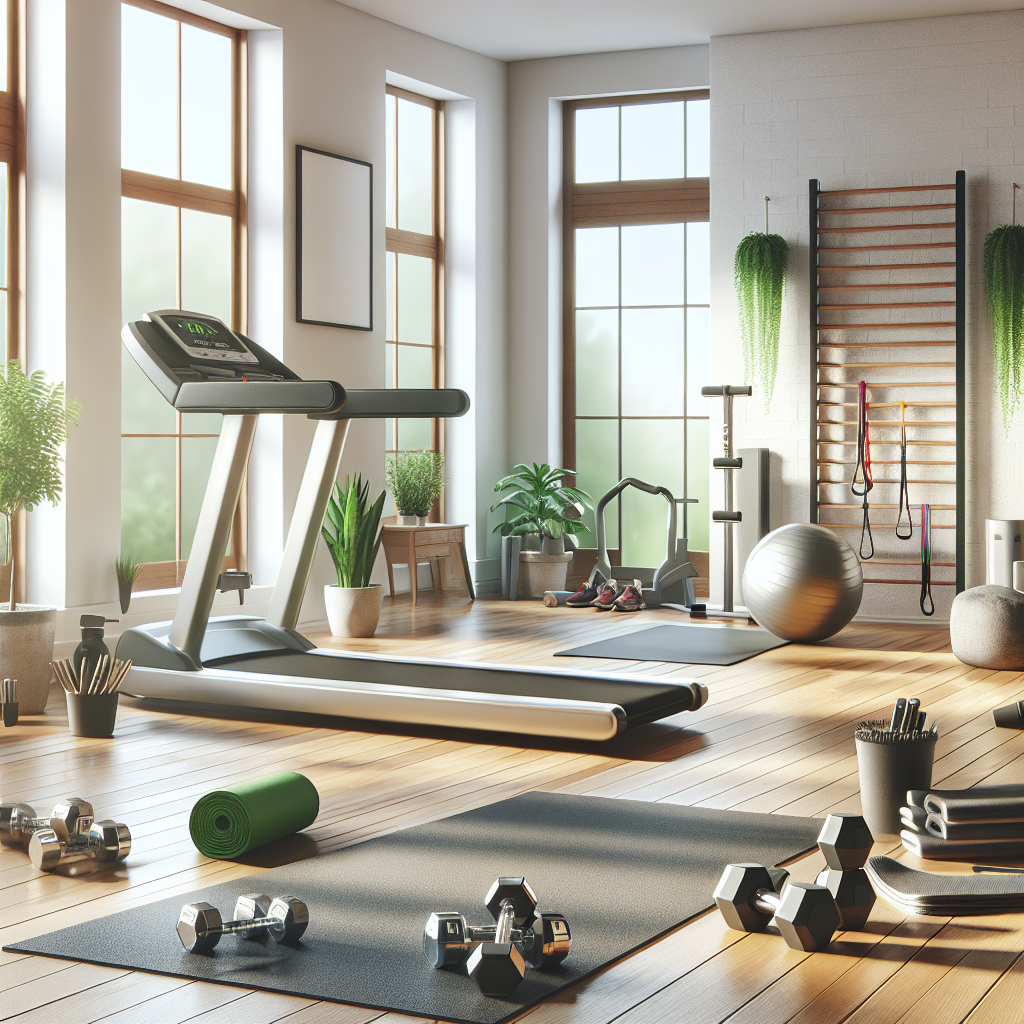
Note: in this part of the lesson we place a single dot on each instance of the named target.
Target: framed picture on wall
(334, 240)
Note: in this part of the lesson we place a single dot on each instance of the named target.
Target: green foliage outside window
(34, 419)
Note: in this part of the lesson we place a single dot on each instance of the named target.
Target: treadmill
(199, 365)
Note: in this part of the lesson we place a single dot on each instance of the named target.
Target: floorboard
(776, 735)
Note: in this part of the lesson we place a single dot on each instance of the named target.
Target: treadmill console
(200, 365)
(204, 337)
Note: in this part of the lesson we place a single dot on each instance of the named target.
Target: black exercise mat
(688, 645)
(622, 871)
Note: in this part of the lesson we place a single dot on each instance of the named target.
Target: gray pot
(539, 573)
(26, 650)
(531, 542)
(552, 546)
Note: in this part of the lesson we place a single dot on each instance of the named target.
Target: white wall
(896, 103)
(536, 88)
(318, 81)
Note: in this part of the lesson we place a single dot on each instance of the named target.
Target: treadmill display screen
(206, 335)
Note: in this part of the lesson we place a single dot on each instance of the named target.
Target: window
(182, 246)
(12, 231)
(636, 331)
(415, 260)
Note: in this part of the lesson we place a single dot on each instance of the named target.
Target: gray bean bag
(986, 627)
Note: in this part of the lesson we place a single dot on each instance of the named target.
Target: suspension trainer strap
(862, 470)
(904, 491)
(867, 543)
(927, 604)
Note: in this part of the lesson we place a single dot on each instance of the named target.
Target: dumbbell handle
(767, 901)
(487, 933)
(30, 824)
(86, 841)
(231, 927)
(503, 930)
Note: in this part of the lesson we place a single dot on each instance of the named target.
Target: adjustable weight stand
(728, 515)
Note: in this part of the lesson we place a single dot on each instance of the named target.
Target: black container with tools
(893, 757)
(91, 680)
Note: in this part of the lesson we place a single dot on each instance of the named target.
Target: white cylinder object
(1018, 576)
(1002, 549)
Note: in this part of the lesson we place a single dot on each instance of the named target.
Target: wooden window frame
(613, 204)
(12, 153)
(413, 243)
(230, 202)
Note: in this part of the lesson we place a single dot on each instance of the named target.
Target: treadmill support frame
(307, 519)
(199, 587)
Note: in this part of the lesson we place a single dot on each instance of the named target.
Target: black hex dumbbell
(749, 897)
(846, 842)
(542, 938)
(200, 925)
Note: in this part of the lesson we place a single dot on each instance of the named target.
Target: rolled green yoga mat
(229, 822)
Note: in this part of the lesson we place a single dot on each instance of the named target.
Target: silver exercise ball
(802, 583)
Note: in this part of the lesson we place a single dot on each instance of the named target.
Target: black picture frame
(330, 243)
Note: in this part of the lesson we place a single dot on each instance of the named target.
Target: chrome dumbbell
(19, 822)
(496, 955)
(106, 843)
(200, 925)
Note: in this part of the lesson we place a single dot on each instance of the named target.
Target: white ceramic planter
(353, 611)
(538, 573)
(26, 650)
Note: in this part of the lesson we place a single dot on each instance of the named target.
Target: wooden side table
(434, 543)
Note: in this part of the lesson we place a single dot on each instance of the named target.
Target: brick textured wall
(896, 103)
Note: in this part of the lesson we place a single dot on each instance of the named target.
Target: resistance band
(863, 469)
(904, 492)
(927, 604)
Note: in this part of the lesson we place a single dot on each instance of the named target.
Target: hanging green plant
(1004, 286)
(760, 274)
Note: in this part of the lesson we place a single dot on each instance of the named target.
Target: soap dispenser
(92, 648)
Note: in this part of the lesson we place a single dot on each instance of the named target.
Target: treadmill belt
(641, 700)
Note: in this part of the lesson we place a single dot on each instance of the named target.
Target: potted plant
(538, 507)
(352, 532)
(1004, 285)
(34, 420)
(760, 274)
(416, 480)
(127, 571)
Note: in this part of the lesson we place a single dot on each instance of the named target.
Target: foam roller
(229, 822)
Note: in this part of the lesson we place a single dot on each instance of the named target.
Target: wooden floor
(775, 736)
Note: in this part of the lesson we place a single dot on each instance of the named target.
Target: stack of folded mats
(922, 892)
(984, 823)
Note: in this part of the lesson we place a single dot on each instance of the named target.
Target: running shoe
(583, 598)
(631, 599)
(606, 595)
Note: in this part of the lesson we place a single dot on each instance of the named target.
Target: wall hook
(767, 201)
(1014, 194)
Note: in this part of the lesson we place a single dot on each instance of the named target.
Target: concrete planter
(539, 572)
(353, 611)
(26, 650)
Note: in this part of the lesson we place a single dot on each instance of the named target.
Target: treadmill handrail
(400, 403)
(310, 397)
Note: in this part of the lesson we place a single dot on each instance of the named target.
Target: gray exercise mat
(622, 871)
(688, 645)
